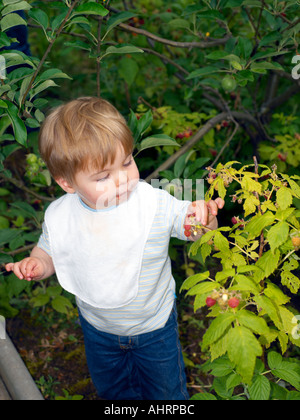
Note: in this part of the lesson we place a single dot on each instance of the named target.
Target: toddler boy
(107, 240)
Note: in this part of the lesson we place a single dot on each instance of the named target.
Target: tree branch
(202, 44)
(239, 116)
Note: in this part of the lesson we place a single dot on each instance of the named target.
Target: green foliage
(255, 254)
(180, 71)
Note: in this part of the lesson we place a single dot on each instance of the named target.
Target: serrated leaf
(255, 323)
(284, 198)
(289, 372)
(202, 288)
(267, 305)
(291, 281)
(278, 235)
(191, 281)
(245, 284)
(260, 389)
(259, 222)
(243, 349)
(267, 263)
(221, 242)
(217, 328)
(61, 304)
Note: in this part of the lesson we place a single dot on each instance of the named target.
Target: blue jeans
(141, 367)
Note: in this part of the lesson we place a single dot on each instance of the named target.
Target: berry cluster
(224, 299)
(193, 228)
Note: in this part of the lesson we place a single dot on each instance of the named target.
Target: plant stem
(41, 63)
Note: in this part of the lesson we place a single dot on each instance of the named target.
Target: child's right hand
(30, 268)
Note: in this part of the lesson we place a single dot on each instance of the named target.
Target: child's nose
(122, 178)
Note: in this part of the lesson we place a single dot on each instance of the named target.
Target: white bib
(98, 255)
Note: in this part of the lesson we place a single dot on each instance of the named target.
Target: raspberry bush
(248, 297)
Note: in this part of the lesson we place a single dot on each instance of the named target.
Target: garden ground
(56, 359)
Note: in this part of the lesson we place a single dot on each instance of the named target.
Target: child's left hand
(204, 214)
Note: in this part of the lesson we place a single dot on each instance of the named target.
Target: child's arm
(205, 214)
(38, 266)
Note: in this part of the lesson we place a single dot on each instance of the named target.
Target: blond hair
(82, 134)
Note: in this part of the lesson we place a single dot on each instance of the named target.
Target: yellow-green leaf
(278, 235)
(243, 349)
(284, 198)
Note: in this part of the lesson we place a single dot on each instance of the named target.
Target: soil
(55, 354)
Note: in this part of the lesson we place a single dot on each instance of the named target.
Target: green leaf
(267, 263)
(284, 198)
(202, 288)
(274, 360)
(278, 235)
(39, 300)
(202, 72)
(128, 70)
(291, 281)
(191, 281)
(221, 242)
(52, 74)
(203, 396)
(243, 349)
(245, 284)
(268, 306)
(217, 328)
(11, 20)
(116, 20)
(259, 222)
(260, 389)
(41, 87)
(17, 124)
(61, 304)
(26, 208)
(255, 323)
(275, 293)
(127, 49)
(289, 372)
(20, 5)
(90, 8)
(157, 140)
(270, 38)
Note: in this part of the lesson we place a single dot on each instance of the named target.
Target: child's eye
(103, 179)
(129, 163)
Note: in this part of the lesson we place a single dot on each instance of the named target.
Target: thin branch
(22, 187)
(226, 144)
(202, 44)
(41, 63)
(238, 116)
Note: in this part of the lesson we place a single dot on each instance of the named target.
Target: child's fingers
(220, 202)
(202, 212)
(9, 267)
(29, 269)
(213, 206)
(17, 271)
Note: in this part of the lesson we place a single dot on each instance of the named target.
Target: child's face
(110, 186)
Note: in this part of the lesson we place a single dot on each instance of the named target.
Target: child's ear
(64, 184)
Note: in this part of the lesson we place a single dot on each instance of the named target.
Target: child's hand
(204, 214)
(28, 269)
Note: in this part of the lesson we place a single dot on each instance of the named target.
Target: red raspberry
(233, 302)
(210, 302)
(187, 227)
(187, 233)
